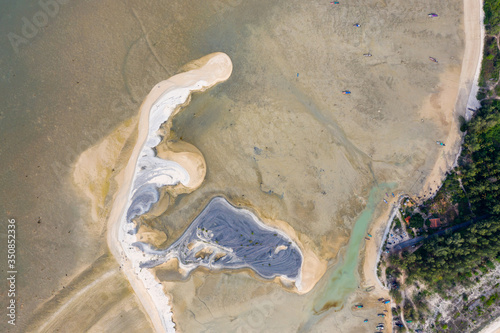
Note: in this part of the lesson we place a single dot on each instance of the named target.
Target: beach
(218, 68)
(278, 138)
(455, 99)
(215, 68)
(493, 327)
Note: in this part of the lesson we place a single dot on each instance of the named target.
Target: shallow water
(343, 279)
(91, 65)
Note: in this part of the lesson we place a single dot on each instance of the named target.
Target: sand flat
(217, 68)
(320, 152)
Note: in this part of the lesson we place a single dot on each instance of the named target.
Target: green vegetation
(493, 298)
(398, 222)
(396, 295)
(491, 61)
(444, 260)
(393, 271)
(417, 221)
(492, 16)
(409, 312)
(481, 160)
(470, 195)
(462, 123)
(491, 55)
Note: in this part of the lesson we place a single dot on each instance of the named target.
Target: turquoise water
(343, 280)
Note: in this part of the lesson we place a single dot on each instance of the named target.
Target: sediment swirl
(221, 237)
(225, 237)
(146, 173)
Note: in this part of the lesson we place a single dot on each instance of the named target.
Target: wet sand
(213, 69)
(292, 148)
(452, 100)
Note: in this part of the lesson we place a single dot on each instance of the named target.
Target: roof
(407, 219)
(435, 223)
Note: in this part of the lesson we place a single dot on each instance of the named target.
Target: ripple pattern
(225, 237)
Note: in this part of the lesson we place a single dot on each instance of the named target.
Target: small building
(407, 220)
(435, 223)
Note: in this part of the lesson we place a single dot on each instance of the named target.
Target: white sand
(493, 327)
(161, 103)
(473, 49)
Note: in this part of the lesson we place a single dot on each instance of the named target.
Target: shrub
(417, 221)
(463, 123)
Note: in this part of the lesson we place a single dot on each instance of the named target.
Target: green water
(343, 280)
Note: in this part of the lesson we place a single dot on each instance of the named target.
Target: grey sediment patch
(225, 237)
(142, 200)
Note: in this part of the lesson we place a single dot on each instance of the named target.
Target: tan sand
(271, 107)
(444, 107)
(189, 157)
(88, 172)
(94, 170)
(451, 100)
(98, 298)
(493, 327)
(313, 268)
(151, 236)
(217, 71)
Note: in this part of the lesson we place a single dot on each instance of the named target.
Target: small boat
(346, 92)
(433, 59)
(367, 54)
(334, 2)
(385, 201)
(393, 194)
(440, 143)
(432, 15)
(365, 321)
(370, 235)
(357, 25)
(381, 315)
(367, 238)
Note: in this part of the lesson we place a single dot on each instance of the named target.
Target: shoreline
(465, 98)
(493, 327)
(199, 79)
